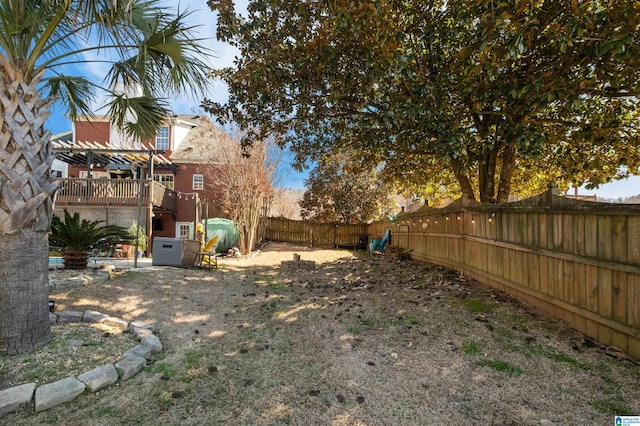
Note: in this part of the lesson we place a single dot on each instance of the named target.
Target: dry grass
(358, 341)
(74, 349)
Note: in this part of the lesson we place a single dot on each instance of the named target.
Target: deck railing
(110, 192)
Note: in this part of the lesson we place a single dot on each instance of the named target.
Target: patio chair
(378, 244)
(208, 253)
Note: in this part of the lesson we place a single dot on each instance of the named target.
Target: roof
(200, 145)
(187, 118)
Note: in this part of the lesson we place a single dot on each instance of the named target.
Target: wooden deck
(110, 192)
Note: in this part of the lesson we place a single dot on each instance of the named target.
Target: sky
(223, 55)
(619, 189)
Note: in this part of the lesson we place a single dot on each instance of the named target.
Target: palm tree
(77, 237)
(41, 44)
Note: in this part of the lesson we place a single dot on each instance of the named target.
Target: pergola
(90, 154)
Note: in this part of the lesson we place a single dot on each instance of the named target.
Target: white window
(182, 230)
(162, 138)
(166, 180)
(198, 181)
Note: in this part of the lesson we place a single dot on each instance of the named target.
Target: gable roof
(201, 143)
(187, 118)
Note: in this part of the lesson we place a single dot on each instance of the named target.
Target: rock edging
(50, 395)
(95, 276)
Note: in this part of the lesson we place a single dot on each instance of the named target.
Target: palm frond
(149, 113)
(76, 93)
(147, 45)
(74, 234)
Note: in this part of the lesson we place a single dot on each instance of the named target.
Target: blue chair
(378, 244)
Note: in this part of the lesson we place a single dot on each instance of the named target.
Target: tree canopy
(488, 97)
(336, 193)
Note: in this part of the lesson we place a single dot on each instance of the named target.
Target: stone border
(50, 395)
(97, 275)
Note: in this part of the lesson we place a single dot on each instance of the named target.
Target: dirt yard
(359, 340)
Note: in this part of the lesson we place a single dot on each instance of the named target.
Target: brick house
(166, 184)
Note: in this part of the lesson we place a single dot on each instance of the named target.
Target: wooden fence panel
(579, 235)
(556, 232)
(544, 275)
(633, 298)
(531, 230)
(591, 288)
(568, 233)
(555, 271)
(493, 264)
(605, 237)
(314, 234)
(533, 261)
(620, 295)
(568, 282)
(591, 235)
(605, 290)
(543, 230)
(579, 278)
(619, 240)
(633, 245)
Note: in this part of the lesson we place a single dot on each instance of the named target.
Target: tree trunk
(24, 322)
(508, 167)
(26, 196)
(487, 174)
(462, 178)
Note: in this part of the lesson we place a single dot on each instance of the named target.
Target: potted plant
(77, 237)
(142, 237)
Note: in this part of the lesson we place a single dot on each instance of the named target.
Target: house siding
(184, 186)
(92, 131)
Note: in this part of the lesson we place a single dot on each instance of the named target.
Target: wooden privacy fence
(313, 234)
(577, 261)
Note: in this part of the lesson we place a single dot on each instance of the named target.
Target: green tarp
(226, 231)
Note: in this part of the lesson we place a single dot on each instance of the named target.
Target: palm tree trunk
(24, 323)
(26, 189)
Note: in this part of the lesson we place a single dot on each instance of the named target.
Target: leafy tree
(77, 237)
(336, 193)
(145, 45)
(479, 93)
(534, 76)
